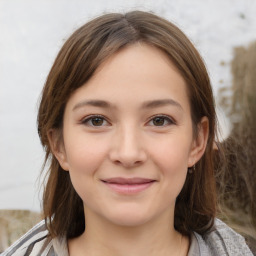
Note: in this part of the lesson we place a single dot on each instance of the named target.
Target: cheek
(173, 167)
(85, 154)
(171, 154)
(171, 159)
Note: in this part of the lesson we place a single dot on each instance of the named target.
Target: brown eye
(159, 121)
(97, 121)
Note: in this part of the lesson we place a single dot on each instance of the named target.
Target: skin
(142, 128)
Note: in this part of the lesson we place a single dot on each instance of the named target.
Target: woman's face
(127, 138)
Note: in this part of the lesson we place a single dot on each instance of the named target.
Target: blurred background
(31, 34)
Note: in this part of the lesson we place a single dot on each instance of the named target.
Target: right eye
(161, 121)
(95, 121)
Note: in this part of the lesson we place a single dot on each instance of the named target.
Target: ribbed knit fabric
(221, 241)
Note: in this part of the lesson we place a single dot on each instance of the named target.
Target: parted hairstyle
(83, 52)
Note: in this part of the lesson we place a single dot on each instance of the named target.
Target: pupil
(97, 121)
(158, 121)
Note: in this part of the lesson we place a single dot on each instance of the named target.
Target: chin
(129, 218)
(129, 222)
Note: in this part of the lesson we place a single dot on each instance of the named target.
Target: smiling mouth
(128, 186)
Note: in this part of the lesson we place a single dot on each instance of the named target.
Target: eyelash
(169, 120)
(90, 118)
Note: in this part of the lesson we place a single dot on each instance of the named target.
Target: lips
(130, 181)
(128, 186)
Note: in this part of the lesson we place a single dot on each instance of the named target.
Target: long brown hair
(80, 56)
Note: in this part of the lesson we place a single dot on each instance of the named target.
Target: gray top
(221, 241)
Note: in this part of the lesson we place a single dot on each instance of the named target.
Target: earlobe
(200, 142)
(57, 148)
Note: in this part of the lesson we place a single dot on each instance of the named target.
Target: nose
(127, 148)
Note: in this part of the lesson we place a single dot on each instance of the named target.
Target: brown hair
(75, 64)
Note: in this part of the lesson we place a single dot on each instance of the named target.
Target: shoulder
(35, 242)
(222, 240)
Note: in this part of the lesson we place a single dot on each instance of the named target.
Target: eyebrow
(147, 104)
(94, 103)
(161, 103)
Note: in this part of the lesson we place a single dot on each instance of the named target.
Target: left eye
(95, 121)
(161, 121)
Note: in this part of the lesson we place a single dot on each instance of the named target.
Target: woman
(127, 121)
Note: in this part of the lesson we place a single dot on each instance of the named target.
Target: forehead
(138, 71)
(140, 56)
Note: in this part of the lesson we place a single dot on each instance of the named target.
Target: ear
(57, 148)
(200, 142)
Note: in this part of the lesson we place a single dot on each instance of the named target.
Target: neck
(104, 238)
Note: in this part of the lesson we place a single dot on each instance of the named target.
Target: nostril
(117, 162)
(127, 164)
